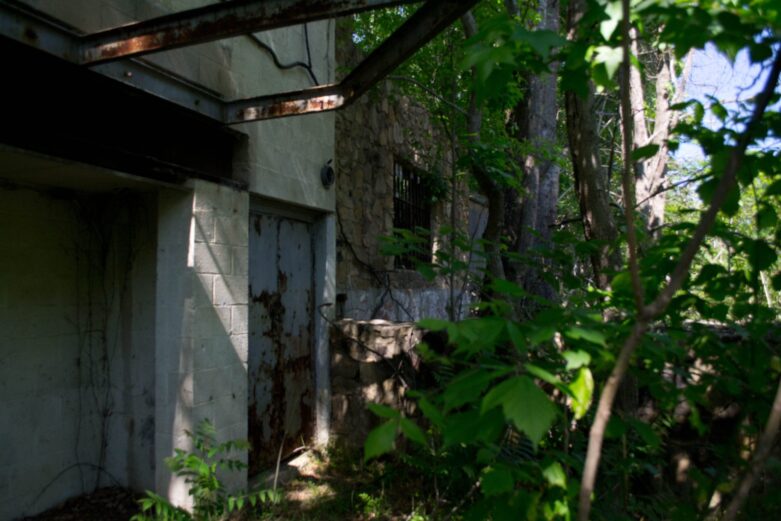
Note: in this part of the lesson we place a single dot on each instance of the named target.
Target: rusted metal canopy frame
(216, 21)
(428, 21)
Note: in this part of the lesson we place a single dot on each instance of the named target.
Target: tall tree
(535, 122)
(651, 168)
(591, 181)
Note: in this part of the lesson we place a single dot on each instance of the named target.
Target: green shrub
(200, 468)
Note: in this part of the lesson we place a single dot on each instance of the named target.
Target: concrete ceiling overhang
(116, 52)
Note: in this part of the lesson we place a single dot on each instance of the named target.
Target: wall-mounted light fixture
(327, 174)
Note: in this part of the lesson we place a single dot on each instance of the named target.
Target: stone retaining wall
(371, 362)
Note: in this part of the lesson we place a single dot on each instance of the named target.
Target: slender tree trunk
(590, 178)
(651, 172)
(535, 120)
(490, 189)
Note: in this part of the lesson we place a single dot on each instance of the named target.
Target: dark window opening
(412, 212)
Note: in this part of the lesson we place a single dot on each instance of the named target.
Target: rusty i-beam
(215, 22)
(112, 51)
(428, 21)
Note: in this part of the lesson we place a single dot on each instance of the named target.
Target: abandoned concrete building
(169, 243)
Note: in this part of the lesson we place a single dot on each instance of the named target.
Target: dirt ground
(105, 504)
(314, 487)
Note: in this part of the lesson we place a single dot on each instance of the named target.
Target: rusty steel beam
(21, 23)
(428, 21)
(295, 103)
(214, 22)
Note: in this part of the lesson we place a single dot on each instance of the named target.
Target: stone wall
(380, 128)
(371, 362)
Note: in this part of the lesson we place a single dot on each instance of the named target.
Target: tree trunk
(535, 120)
(651, 172)
(490, 189)
(590, 178)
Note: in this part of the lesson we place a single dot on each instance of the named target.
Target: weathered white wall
(61, 311)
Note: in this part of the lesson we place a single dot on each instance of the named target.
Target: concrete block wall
(54, 393)
(201, 328)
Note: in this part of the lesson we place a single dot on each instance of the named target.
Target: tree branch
(766, 442)
(627, 179)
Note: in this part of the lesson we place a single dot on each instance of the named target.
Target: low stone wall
(371, 362)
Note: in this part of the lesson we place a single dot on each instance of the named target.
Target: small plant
(200, 468)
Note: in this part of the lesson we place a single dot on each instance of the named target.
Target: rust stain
(284, 415)
(167, 32)
(280, 109)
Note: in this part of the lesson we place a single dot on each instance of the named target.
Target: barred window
(411, 211)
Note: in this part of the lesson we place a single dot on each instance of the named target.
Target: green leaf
(699, 112)
(576, 359)
(524, 404)
(766, 217)
(516, 337)
(431, 412)
(614, 12)
(774, 188)
(610, 57)
(467, 387)
(648, 435)
(776, 281)
(505, 287)
(542, 374)
(380, 440)
(645, 152)
(582, 389)
(555, 476)
(542, 333)
(462, 428)
(542, 41)
(589, 335)
(412, 431)
(383, 411)
(434, 324)
(761, 255)
(497, 481)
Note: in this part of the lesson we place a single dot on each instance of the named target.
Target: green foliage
(512, 415)
(201, 470)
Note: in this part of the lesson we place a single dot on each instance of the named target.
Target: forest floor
(338, 486)
(315, 486)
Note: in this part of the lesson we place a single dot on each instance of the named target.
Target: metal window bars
(412, 212)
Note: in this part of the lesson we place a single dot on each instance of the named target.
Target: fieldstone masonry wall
(380, 128)
(371, 362)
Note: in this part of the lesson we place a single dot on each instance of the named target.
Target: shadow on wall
(201, 339)
(77, 379)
